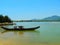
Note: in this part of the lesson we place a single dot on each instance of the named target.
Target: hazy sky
(29, 9)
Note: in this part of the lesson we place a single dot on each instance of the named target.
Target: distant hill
(52, 18)
(47, 19)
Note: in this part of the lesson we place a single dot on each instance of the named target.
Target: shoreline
(36, 21)
(2, 24)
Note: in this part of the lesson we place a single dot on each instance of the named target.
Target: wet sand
(13, 42)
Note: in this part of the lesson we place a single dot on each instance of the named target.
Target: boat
(20, 28)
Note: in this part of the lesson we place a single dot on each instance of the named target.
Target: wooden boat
(20, 28)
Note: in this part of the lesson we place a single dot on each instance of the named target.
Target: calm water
(47, 34)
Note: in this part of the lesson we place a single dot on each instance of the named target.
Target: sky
(29, 9)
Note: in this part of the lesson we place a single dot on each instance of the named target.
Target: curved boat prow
(37, 27)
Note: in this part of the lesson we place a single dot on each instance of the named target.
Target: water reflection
(19, 32)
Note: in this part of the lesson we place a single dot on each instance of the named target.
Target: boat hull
(21, 29)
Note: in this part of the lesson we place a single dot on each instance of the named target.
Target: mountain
(52, 18)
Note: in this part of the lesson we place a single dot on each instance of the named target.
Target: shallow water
(47, 34)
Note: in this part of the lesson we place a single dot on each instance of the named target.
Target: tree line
(5, 19)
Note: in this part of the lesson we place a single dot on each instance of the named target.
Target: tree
(4, 19)
(7, 19)
(1, 18)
